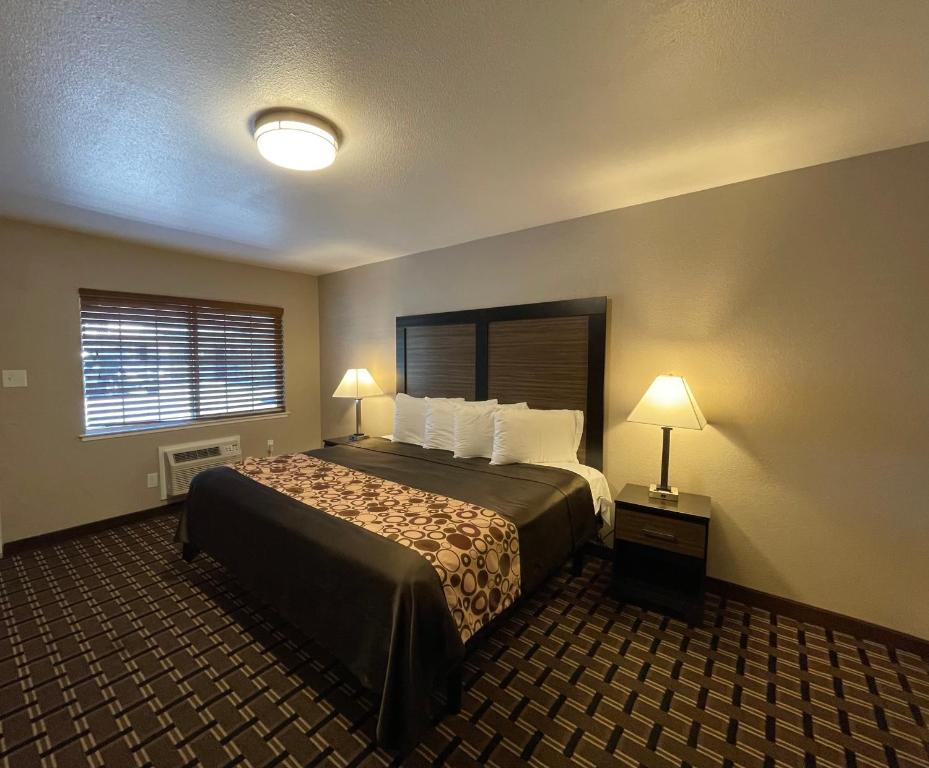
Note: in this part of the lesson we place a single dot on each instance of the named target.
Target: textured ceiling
(460, 119)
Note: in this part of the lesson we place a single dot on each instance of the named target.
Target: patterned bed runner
(474, 551)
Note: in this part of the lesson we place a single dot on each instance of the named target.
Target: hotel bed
(296, 532)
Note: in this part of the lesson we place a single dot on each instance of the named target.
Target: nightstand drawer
(662, 532)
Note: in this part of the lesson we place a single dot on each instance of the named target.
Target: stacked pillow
(441, 415)
(410, 417)
(535, 437)
(474, 430)
(506, 434)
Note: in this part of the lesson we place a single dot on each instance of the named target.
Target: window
(158, 361)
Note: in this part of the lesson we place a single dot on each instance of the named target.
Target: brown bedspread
(377, 606)
(474, 551)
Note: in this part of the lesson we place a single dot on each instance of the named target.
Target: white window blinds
(155, 361)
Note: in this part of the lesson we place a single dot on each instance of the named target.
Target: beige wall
(49, 479)
(796, 306)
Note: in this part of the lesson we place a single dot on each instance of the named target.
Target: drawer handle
(663, 535)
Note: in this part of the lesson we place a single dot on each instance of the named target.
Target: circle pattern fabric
(474, 551)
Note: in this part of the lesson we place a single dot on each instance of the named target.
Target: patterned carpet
(116, 653)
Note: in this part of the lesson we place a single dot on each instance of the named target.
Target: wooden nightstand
(659, 551)
(328, 442)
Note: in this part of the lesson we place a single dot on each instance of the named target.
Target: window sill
(185, 425)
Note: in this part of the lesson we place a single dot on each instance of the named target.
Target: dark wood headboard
(550, 355)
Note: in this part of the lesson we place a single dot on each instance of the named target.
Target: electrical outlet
(14, 379)
(270, 447)
(152, 479)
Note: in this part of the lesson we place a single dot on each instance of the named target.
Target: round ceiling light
(296, 140)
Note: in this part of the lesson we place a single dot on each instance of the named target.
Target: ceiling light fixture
(296, 140)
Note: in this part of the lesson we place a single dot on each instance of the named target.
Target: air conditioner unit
(180, 463)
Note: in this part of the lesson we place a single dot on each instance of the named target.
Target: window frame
(194, 306)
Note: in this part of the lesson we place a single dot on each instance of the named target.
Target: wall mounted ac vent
(183, 457)
(181, 463)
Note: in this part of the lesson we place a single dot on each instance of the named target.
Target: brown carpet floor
(114, 652)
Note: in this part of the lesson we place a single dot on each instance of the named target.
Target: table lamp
(357, 383)
(668, 403)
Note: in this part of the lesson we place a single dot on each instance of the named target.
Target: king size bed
(396, 558)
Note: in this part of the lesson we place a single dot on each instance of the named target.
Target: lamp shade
(669, 403)
(357, 383)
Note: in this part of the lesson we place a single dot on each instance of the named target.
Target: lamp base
(669, 494)
(357, 436)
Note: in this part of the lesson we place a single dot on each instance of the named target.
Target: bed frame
(550, 355)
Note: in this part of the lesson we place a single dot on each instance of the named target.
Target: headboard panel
(550, 355)
(542, 361)
(440, 361)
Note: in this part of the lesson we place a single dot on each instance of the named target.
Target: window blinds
(154, 361)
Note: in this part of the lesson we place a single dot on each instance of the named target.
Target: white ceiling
(460, 119)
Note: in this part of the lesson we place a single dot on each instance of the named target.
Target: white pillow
(474, 430)
(410, 418)
(440, 420)
(536, 436)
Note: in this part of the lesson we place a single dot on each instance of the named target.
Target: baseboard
(782, 606)
(44, 539)
(839, 622)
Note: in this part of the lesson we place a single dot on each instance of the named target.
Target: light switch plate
(14, 378)
(152, 479)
